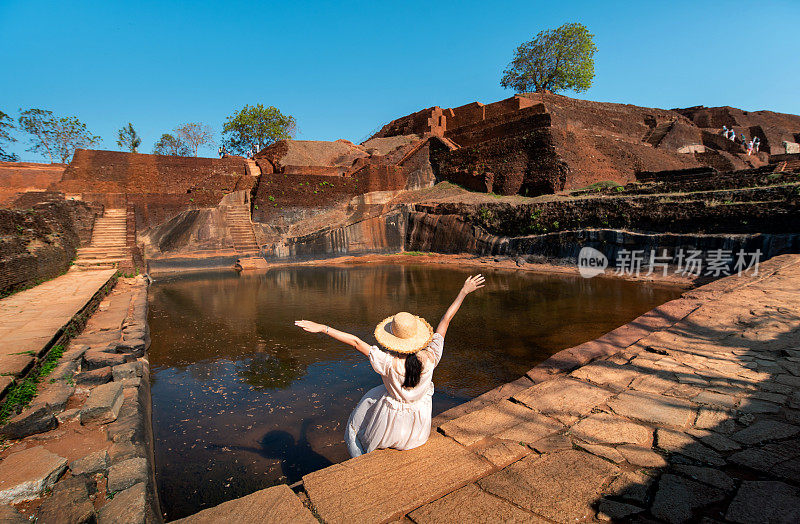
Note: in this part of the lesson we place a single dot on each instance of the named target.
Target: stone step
(105, 253)
(89, 261)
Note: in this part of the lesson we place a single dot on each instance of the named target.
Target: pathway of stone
(30, 319)
(694, 414)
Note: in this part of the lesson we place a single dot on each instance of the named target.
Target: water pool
(242, 399)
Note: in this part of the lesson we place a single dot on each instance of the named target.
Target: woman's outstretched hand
(311, 327)
(473, 283)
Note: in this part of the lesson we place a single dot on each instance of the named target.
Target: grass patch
(603, 184)
(415, 253)
(22, 393)
(128, 274)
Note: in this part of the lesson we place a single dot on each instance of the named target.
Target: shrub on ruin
(6, 123)
(555, 60)
(55, 137)
(170, 145)
(195, 135)
(255, 127)
(128, 139)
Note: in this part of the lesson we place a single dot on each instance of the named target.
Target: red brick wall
(18, 177)
(499, 127)
(464, 115)
(280, 191)
(509, 105)
(159, 187)
(40, 243)
(118, 172)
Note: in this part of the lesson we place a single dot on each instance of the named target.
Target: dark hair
(413, 371)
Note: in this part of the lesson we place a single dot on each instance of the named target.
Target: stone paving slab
(26, 474)
(385, 484)
(30, 319)
(275, 505)
(471, 504)
(491, 420)
(563, 396)
(559, 486)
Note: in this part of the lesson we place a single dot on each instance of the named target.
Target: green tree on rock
(171, 145)
(255, 127)
(195, 135)
(55, 137)
(556, 60)
(128, 138)
(6, 123)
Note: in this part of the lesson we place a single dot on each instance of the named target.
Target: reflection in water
(242, 399)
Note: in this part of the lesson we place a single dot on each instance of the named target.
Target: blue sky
(343, 69)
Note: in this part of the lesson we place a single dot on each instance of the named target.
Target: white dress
(390, 416)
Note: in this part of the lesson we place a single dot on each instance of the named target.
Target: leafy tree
(6, 123)
(128, 138)
(195, 135)
(256, 127)
(56, 137)
(557, 59)
(171, 145)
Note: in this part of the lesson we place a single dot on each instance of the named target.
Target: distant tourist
(744, 140)
(221, 151)
(732, 135)
(397, 414)
(756, 144)
(750, 146)
(725, 131)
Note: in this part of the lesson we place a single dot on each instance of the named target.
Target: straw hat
(404, 333)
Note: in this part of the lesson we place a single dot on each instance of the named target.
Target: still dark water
(242, 399)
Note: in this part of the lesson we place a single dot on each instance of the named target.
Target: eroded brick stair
(109, 247)
(657, 134)
(241, 230)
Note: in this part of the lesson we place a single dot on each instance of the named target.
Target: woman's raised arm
(341, 336)
(472, 283)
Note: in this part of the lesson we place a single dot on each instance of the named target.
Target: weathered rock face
(381, 234)
(458, 228)
(525, 163)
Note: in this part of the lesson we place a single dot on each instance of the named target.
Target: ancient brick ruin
(300, 193)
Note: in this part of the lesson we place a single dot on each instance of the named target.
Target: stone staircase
(241, 230)
(657, 134)
(252, 167)
(109, 248)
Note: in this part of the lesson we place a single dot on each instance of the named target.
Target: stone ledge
(275, 505)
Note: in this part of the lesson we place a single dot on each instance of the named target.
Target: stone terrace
(32, 320)
(82, 452)
(690, 411)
